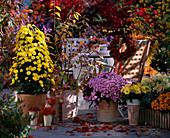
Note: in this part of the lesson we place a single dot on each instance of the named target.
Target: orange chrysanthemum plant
(162, 103)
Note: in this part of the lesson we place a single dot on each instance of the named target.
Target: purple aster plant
(105, 86)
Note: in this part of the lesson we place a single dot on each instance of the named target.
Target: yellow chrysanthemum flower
(28, 72)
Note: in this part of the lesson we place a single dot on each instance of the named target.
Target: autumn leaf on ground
(71, 134)
(77, 129)
(46, 129)
(108, 134)
(55, 128)
(138, 134)
(30, 136)
(90, 114)
(67, 131)
(85, 129)
(146, 134)
(95, 129)
(89, 134)
(67, 126)
(162, 131)
(119, 130)
(90, 117)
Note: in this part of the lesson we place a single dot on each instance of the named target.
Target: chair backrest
(71, 46)
(134, 67)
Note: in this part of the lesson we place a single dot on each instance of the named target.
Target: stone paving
(85, 125)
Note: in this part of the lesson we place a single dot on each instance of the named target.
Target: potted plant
(134, 94)
(31, 67)
(48, 113)
(104, 91)
(162, 103)
(34, 113)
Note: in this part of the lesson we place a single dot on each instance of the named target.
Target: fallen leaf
(69, 131)
(95, 129)
(71, 134)
(162, 131)
(77, 129)
(49, 127)
(30, 136)
(132, 130)
(55, 128)
(89, 134)
(146, 134)
(89, 114)
(138, 134)
(108, 134)
(46, 129)
(67, 126)
(85, 129)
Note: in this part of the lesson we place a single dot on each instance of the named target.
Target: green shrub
(12, 123)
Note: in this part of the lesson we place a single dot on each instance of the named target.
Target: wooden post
(153, 117)
(168, 120)
(160, 120)
(150, 116)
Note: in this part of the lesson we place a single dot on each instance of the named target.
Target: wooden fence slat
(153, 118)
(166, 120)
(157, 119)
(160, 120)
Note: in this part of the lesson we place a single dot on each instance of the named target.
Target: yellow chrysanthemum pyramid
(32, 64)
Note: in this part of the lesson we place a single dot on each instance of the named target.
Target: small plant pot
(47, 120)
(133, 111)
(35, 121)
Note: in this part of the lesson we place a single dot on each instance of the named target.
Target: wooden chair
(134, 67)
(70, 48)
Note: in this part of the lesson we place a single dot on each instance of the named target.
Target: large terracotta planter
(70, 105)
(133, 111)
(106, 112)
(29, 100)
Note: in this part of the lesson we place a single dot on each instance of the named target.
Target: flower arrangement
(96, 40)
(122, 55)
(134, 91)
(162, 103)
(105, 86)
(48, 111)
(34, 108)
(32, 64)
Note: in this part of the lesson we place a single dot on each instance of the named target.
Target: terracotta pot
(133, 111)
(106, 112)
(47, 120)
(70, 105)
(29, 100)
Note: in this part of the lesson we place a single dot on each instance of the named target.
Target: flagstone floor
(86, 125)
